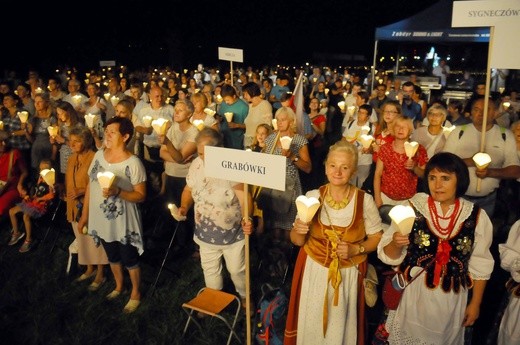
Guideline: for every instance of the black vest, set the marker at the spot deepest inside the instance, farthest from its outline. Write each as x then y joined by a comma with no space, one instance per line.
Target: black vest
423,248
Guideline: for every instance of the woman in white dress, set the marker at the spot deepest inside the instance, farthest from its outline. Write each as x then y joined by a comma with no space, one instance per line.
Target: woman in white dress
449,246
111,214
327,304
509,332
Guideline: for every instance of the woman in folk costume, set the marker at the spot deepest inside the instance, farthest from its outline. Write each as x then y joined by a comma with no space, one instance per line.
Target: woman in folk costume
449,247
327,303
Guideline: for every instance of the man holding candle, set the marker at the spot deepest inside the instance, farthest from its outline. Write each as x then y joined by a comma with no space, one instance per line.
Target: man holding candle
233,130
157,109
75,97
465,141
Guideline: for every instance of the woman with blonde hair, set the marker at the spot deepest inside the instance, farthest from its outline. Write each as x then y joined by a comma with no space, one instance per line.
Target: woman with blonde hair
327,304
200,102
297,158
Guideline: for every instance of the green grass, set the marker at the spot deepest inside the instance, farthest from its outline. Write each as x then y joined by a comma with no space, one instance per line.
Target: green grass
41,304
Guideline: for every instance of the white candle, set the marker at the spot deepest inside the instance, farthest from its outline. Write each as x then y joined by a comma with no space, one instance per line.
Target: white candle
48,176
341,105
306,207
229,116
403,217
275,124
410,148
159,125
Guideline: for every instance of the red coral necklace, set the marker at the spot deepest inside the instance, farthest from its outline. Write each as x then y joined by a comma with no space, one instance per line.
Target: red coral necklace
435,217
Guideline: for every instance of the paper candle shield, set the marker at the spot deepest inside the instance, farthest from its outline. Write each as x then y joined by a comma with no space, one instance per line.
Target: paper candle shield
481,160
351,110
403,217
285,141
366,140
77,100
53,130
341,105
105,179
199,124
229,116
159,125
447,130
147,121
114,100
107,96
23,115
1,125
306,207
174,210
49,176
275,124
89,120
209,112
410,148
218,98
365,129
506,105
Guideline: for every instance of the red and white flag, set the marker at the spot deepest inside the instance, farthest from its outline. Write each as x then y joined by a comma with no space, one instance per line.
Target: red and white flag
297,104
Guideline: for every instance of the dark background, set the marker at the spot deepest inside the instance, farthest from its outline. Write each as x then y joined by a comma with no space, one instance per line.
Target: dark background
182,34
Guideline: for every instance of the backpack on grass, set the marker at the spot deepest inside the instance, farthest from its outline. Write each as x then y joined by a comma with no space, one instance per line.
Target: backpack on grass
271,316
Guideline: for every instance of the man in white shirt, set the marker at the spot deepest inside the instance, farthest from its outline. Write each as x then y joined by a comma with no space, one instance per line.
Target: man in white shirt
500,144
442,71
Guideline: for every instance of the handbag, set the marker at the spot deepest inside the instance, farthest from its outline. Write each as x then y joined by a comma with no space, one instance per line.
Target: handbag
394,286
370,283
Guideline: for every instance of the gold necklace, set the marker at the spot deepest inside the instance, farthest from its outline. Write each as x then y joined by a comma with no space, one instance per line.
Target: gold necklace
337,205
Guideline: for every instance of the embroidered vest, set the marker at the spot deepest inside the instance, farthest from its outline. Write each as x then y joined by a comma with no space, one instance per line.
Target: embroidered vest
423,248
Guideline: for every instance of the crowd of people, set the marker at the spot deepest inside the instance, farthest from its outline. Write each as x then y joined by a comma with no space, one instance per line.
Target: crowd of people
118,142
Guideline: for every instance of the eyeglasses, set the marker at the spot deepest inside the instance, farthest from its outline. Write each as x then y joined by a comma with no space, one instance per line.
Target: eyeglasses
390,112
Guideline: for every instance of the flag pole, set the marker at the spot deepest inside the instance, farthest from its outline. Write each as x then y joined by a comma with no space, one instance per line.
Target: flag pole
486,100
248,269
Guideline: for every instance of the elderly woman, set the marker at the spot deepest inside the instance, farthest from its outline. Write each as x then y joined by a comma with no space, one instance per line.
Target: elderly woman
327,296
396,175
297,158
432,136
111,213
76,180
219,222
200,102
449,247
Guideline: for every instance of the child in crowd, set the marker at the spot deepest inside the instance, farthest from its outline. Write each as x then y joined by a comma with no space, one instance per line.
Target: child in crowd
262,131
33,206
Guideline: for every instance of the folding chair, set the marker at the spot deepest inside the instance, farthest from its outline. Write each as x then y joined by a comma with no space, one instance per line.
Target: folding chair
212,302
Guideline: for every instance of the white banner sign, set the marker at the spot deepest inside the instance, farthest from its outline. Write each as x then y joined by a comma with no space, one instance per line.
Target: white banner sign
230,54
504,15
254,168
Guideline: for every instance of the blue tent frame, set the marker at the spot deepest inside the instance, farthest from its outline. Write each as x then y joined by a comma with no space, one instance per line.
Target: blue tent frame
433,24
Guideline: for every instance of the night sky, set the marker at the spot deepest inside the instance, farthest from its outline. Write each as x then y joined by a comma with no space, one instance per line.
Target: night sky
181,34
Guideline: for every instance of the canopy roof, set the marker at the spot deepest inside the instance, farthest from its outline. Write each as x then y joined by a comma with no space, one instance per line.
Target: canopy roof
431,25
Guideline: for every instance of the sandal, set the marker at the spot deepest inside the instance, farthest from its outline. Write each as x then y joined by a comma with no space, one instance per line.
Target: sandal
131,306
15,237
94,286
85,276
113,295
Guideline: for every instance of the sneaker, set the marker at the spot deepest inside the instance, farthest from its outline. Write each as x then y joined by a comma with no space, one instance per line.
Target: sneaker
15,237
26,246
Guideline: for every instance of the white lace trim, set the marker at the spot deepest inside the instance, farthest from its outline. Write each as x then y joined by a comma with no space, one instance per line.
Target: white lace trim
420,202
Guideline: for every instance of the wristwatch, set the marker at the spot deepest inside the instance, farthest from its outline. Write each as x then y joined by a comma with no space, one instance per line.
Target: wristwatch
361,248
